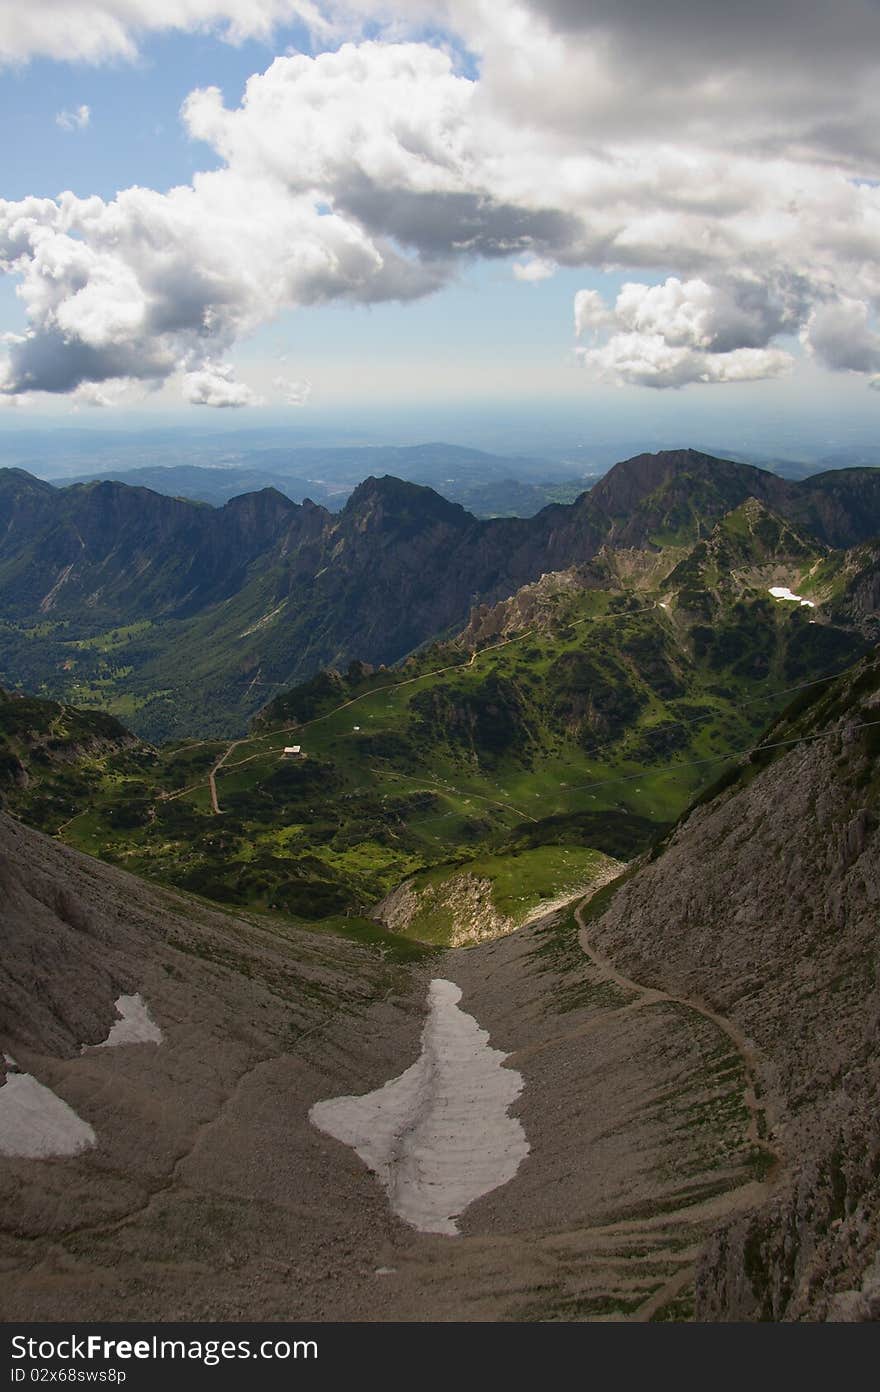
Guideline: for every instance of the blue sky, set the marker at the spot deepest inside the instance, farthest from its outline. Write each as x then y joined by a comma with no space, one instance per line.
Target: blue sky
483,337
135,136
480,338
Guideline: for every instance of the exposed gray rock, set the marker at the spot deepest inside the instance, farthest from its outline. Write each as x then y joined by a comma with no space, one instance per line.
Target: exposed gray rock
766,904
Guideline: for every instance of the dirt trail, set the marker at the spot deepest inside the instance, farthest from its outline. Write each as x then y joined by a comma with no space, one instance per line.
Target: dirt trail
737,1199
653,995
212,776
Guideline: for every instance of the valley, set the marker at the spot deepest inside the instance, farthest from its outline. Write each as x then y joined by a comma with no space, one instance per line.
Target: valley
239,1207
439,685
675,1106
488,774
604,852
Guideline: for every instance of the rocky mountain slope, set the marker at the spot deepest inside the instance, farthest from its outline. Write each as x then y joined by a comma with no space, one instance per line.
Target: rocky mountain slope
105,588
198,1188
115,554
697,1053
202,1193
765,903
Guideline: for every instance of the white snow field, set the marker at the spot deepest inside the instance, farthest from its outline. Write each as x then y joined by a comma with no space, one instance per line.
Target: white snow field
439,1136
135,1025
783,592
35,1124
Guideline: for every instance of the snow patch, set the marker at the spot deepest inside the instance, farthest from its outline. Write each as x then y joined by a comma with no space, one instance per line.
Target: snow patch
438,1137
134,1026
35,1124
783,592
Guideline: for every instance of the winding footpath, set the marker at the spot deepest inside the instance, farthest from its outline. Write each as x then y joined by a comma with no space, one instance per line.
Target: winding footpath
747,1196
212,776
653,995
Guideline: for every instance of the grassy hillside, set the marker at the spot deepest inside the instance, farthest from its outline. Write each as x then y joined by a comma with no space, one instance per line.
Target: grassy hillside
587,734
54,759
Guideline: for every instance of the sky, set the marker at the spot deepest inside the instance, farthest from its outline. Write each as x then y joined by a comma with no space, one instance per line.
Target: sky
254,210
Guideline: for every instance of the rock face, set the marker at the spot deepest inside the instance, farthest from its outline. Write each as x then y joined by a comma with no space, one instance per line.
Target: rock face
534,606
106,550
466,899
765,903
859,600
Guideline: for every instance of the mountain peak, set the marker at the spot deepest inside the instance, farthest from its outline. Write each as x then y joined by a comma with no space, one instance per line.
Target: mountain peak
397,499
632,479
675,497
22,478
265,498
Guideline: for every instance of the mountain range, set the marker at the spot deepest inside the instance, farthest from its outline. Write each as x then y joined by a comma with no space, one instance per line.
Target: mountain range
185,618
488,485
573,718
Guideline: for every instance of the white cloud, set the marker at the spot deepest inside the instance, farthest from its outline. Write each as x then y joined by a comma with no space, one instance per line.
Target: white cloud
649,360
95,395
151,283
214,384
95,31
533,269
371,172
74,120
295,393
839,335
590,312
680,332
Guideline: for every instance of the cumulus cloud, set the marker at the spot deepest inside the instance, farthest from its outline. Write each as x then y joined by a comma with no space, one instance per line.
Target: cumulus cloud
591,312
839,335
152,283
679,332
214,384
743,161
649,360
74,120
